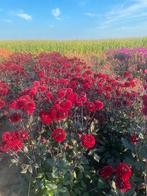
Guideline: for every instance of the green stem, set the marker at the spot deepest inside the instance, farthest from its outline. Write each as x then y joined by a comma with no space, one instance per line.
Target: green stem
29,186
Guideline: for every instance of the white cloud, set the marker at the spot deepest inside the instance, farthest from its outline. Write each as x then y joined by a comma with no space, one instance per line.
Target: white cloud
24,15
135,11
56,13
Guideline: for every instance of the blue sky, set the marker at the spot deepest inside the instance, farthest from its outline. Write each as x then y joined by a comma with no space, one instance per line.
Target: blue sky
72,19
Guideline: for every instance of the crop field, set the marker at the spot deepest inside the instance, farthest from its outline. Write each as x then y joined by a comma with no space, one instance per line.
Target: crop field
81,47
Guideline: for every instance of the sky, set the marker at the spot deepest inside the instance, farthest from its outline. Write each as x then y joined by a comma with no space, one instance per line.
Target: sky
72,19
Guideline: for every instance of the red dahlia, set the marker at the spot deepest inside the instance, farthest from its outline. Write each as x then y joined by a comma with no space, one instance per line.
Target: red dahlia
90,106
144,98
11,141
24,103
134,138
144,110
2,103
3,88
88,141
45,118
23,135
122,184
15,117
99,105
123,170
58,135
106,171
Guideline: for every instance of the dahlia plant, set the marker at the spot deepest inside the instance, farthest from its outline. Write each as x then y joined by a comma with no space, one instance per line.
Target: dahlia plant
73,130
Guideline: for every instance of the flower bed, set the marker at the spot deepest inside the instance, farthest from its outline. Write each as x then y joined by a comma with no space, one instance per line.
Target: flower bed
74,130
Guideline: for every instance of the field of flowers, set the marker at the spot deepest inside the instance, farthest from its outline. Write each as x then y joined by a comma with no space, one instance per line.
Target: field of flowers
76,128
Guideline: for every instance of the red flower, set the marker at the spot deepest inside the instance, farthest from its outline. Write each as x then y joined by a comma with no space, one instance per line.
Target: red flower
66,105
4,147
81,100
6,136
49,95
3,89
58,113
72,97
106,172
58,135
45,117
30,91
15,117
2,103
11,141
134,138
16,145
144,110
62,93
145,71
24,103
127,74
123,170
23,135
43,88
88,141
144,98
36,84
90,106
99,105
122,184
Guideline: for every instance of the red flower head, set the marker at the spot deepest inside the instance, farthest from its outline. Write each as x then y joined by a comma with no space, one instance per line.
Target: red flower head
90,106
15,117
134,138
58,135
23,135
58,113
99,105
49,95
127,74
144,98
81,99
123,170
6,136
88,141
122,184
62,93
45,118
3,89
36,84
106,172
66,105
2,103
144,110
24,103
145,71
11,141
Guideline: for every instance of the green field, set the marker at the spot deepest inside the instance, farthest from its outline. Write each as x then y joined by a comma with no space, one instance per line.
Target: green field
75,46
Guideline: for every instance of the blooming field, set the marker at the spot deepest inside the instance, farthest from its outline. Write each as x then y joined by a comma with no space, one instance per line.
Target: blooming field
76,130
